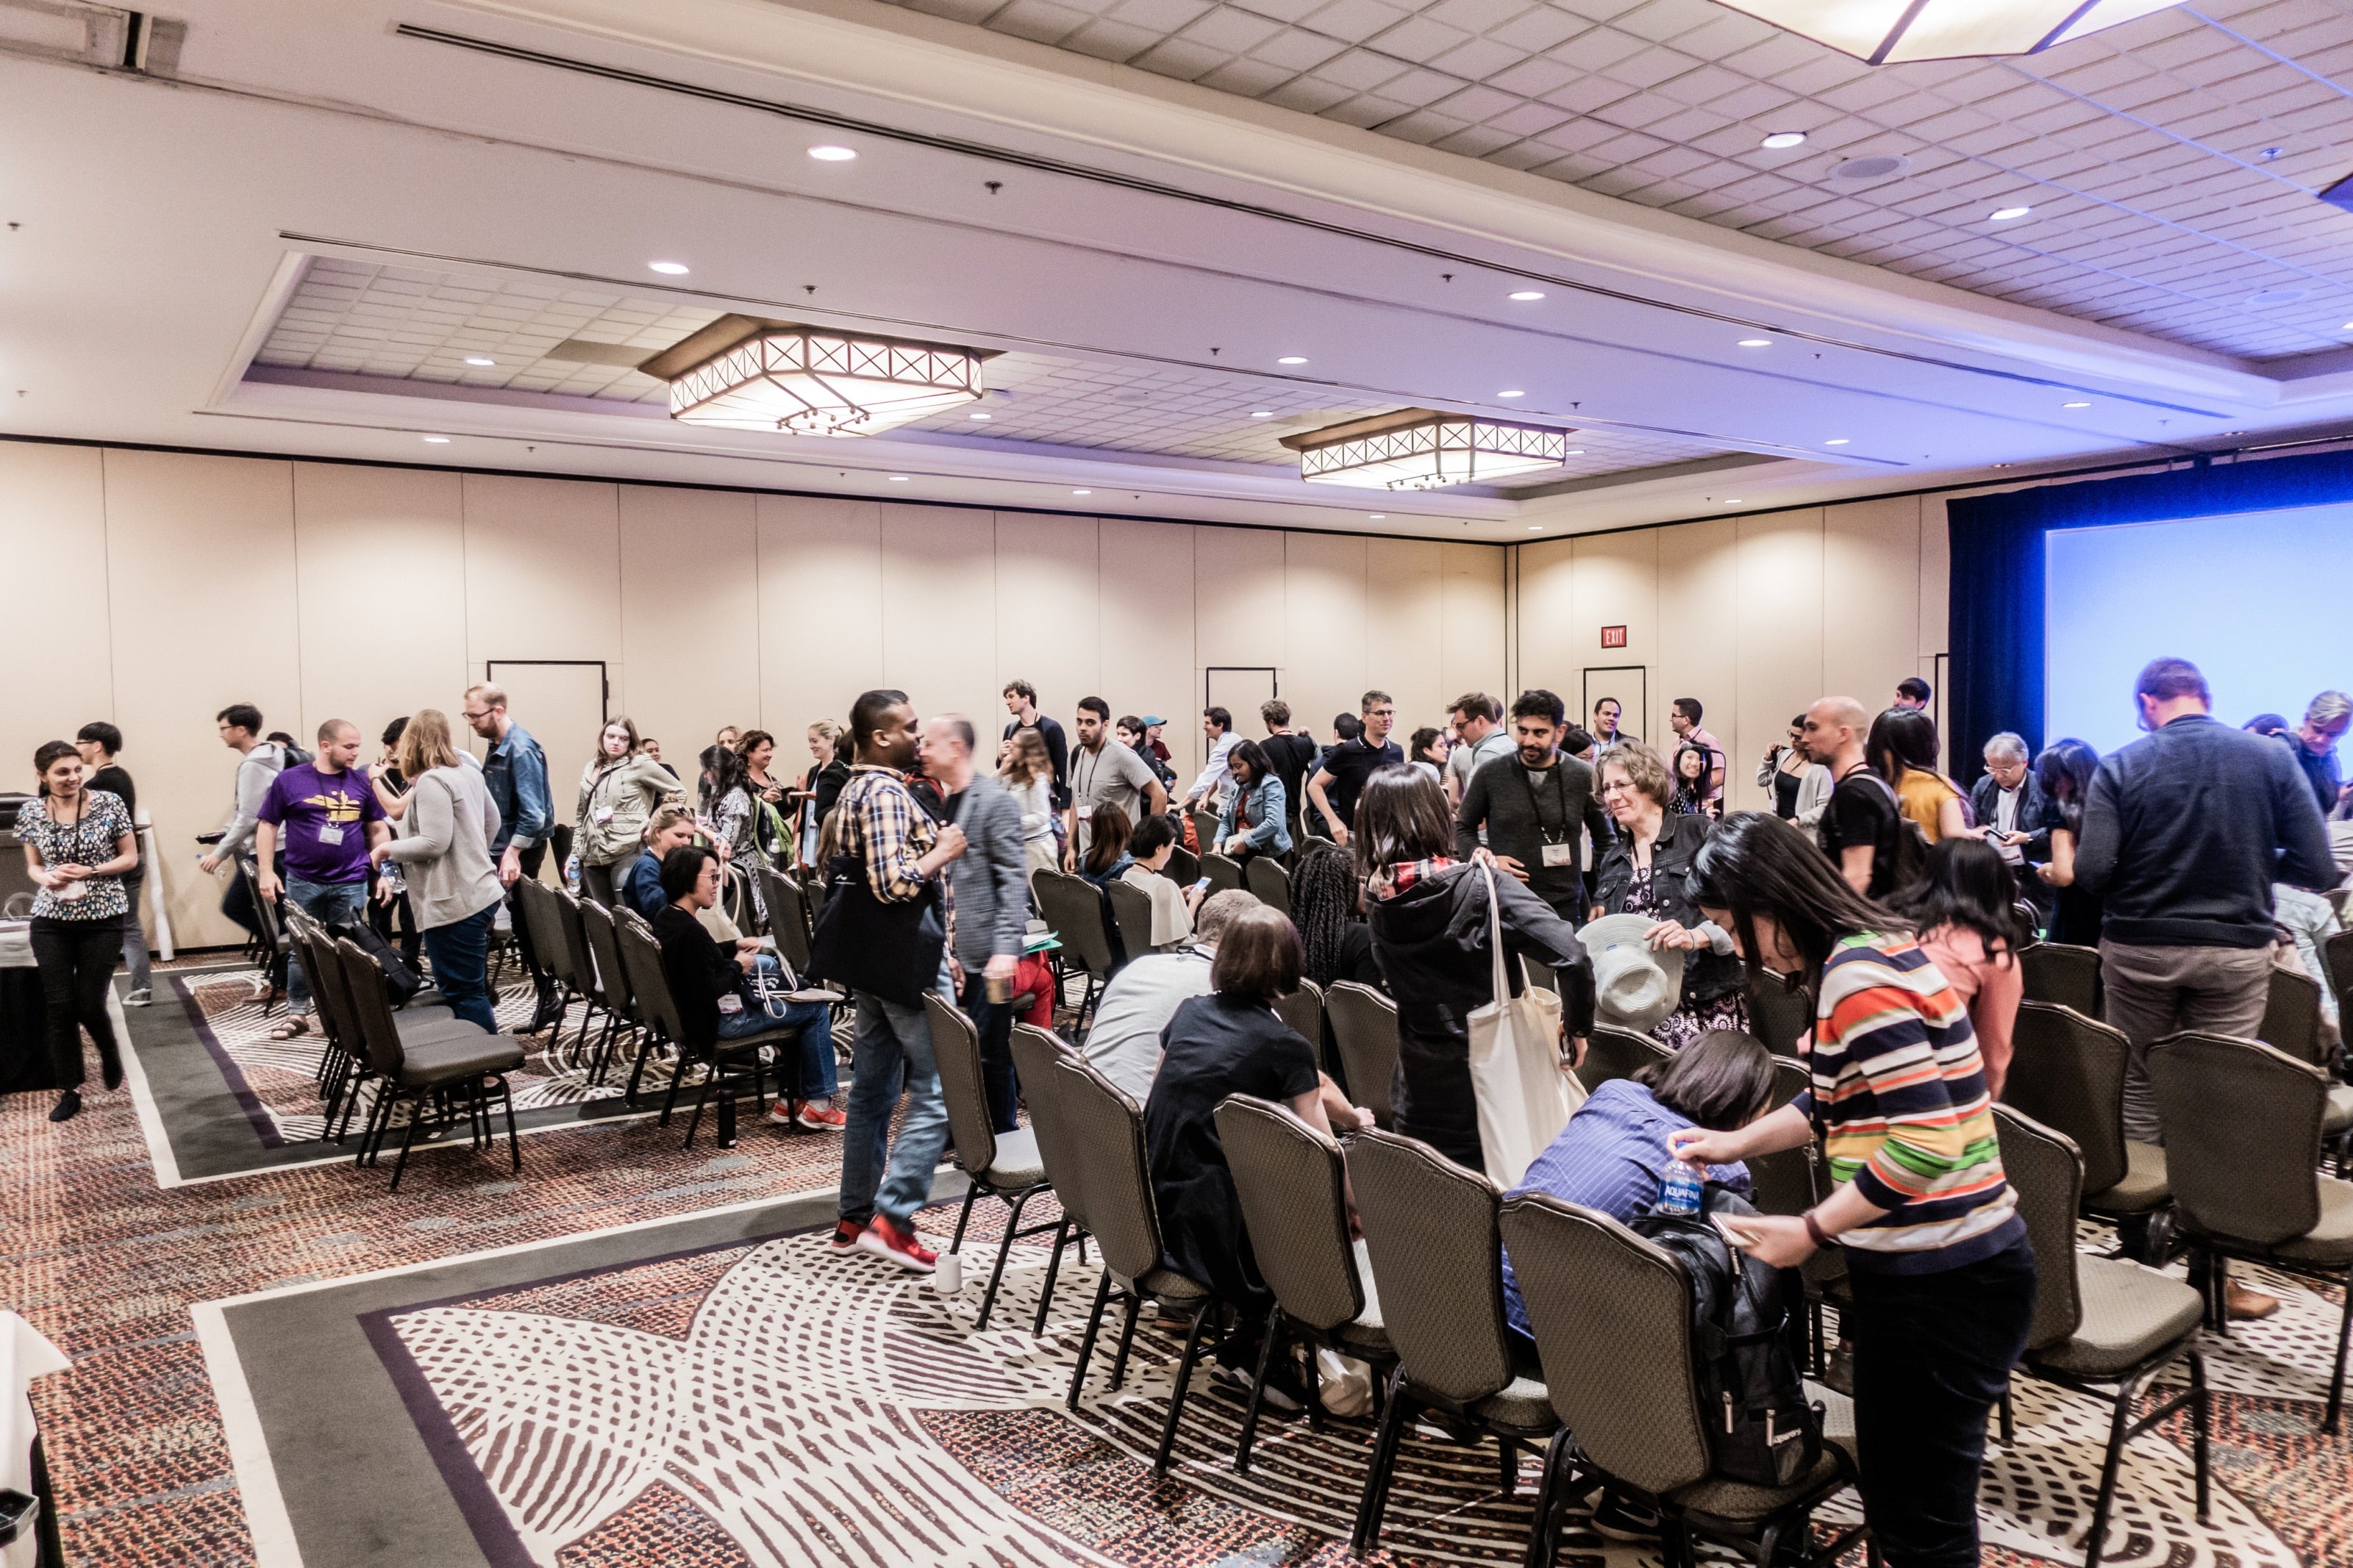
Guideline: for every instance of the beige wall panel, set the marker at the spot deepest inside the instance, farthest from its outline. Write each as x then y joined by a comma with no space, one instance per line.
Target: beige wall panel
1549,652
1327,627
1048,626
820,573
193,544
1150,657
377,549
1936,568
1405,655
1617,584
939,607
1779,668
689,652
1871,571
1472,656
543,570
61,657
1699,618
1238,617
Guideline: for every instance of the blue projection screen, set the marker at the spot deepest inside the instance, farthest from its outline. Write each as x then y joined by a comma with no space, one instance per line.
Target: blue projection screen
2255,600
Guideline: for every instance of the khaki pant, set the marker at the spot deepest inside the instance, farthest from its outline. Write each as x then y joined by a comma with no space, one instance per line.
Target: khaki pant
2153,992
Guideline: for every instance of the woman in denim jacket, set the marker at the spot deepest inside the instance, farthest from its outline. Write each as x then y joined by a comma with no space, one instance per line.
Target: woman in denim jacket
1252,813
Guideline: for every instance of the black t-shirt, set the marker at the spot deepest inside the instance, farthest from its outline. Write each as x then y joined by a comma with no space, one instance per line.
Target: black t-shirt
115,782
1289,757
1350,764
1862,811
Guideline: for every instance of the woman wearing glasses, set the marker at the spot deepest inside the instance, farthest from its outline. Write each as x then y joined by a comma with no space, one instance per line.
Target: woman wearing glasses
1646,869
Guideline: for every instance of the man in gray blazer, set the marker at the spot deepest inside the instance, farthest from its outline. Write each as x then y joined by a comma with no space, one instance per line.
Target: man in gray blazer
991,890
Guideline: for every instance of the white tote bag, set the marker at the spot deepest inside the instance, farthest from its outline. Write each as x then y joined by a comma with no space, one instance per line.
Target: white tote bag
1524,1099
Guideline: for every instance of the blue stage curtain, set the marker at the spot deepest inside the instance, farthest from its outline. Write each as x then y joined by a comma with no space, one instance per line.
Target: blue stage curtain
1996,594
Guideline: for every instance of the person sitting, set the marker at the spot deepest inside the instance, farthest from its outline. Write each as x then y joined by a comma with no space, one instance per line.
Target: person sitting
1124,1043
708,985
1328,906
1902,749
670,827
1965,907
1254,816
1107,834
1149,851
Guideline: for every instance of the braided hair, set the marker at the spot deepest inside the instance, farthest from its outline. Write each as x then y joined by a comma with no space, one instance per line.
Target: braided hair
1323,896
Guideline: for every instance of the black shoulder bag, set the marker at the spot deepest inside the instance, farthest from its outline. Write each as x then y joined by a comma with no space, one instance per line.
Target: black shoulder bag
891,950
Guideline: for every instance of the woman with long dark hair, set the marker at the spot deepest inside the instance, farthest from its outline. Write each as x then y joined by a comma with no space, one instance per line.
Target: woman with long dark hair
78,846
1902,749
1324,901
2064,771
1254,816
1430,918
1689,773
1965,907
1942,1273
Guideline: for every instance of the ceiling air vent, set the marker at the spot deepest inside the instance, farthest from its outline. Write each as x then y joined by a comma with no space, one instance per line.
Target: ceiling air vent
1877,167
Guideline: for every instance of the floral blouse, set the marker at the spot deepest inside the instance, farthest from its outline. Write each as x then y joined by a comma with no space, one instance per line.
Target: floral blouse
87,839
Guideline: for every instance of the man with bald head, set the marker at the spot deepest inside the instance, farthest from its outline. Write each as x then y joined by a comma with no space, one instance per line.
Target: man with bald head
1859,826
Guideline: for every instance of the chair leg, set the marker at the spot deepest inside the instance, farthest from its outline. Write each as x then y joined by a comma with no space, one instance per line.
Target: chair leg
963,1214
415,1114
2095,1539
1375,1497
1053,1267
1185,1365
677,1080
1544,1527
514,1144
2336,1368
1087,1343
1126,1340
2201,1420
1274,1323
1507,1471
1003,1250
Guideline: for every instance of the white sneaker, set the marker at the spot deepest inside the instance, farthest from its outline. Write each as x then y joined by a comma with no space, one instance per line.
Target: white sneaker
139,998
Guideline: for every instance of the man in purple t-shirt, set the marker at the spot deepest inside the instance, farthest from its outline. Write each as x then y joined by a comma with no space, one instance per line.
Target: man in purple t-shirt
327,815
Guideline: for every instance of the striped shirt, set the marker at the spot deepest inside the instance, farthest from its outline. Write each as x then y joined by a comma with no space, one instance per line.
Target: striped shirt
1901,1094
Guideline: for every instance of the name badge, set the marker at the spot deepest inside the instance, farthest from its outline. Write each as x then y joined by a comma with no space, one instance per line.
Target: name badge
1560,854
731,1004
330,833
603,814
72,892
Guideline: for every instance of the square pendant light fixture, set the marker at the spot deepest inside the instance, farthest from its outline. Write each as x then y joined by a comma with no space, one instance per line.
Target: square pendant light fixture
749,374
1422,449
1885,32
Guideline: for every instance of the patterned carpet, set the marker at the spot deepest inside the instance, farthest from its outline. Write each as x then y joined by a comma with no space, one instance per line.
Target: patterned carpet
765,1404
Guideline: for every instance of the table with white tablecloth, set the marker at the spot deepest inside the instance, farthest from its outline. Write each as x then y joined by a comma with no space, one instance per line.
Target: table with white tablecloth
24,1056
23,1356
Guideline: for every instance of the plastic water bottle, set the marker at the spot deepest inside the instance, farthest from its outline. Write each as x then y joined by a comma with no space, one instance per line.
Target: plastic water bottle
1680,1188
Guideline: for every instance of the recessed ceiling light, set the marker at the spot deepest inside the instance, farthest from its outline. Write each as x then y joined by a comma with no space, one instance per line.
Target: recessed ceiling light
1780,139
1756,342
898,479
1512,394
1836,441
480,359
669,268
980,415
1732,500
1082,492
1574,452
2348,327
436,440
2004,215
1262,413
1292,359
2075,404
1377,516
1529,294
1536,528
828,153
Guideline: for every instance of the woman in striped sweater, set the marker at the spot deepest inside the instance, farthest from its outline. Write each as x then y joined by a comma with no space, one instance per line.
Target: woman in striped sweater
1939,1260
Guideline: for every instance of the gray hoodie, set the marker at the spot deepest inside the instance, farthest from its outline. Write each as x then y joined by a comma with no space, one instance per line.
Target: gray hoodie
254,774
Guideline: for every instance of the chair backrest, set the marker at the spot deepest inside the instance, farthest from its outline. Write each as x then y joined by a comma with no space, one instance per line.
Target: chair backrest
1036,1054
1303,1011
2062,973
264,910
371,1007
955,1046
1268,881
1611,1314
546,929
1106,1131
788,917
2047,1175
1781,1012
1184,866
641,957
1294,1198
1224,872
2068,1072
1131,908
2292,1015
325,966
605,946
1788,1180
1205,828
1365,1037
575,946
1429,1228
1612,1052
1074,909
2241,1135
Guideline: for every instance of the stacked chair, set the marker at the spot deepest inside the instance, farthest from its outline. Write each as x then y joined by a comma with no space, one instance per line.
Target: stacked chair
1073,907
1612,1052
1006,1166
445,1062
2067,1072
614,994
2292,1024
1267,882
1035,1055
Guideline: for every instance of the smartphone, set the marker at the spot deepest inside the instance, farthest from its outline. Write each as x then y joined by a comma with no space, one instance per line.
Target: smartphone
1202,885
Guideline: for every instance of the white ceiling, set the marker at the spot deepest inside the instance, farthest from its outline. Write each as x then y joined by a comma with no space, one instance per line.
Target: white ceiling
291,244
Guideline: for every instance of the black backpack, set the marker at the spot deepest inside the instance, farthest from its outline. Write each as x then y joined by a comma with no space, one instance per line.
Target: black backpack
1760,1428
1908,855
400,981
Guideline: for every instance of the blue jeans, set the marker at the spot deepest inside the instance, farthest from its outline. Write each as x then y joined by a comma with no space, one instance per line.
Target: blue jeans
815,1079
893,1047
329,903
460,955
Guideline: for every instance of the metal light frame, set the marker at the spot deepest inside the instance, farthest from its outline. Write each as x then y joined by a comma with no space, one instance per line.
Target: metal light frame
1888,32
809,381
1429,453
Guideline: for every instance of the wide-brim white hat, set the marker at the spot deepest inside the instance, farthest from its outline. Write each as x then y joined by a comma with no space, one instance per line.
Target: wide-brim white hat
1634,985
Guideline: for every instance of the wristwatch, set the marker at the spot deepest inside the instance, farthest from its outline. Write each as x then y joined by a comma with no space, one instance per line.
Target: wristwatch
1814,1229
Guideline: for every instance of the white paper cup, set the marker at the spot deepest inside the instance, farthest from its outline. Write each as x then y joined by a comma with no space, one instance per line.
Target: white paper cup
948,1277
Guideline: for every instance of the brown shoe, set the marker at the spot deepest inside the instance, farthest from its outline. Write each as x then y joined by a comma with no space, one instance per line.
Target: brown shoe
2244,1305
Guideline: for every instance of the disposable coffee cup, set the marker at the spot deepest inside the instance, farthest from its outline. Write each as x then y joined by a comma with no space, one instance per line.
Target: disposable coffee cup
1000,990
948,1277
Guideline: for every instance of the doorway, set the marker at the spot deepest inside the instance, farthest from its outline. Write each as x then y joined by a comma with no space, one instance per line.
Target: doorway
1630,684
562,702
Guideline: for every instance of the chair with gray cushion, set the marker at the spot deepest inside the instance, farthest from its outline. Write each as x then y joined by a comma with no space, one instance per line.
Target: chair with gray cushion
2067,1072
1205,828
1130,908
446,1069
1036,1054
2102,1326
352,1066
543,928
1611,1313
2292,1024
1294,1196
581,959
730,1066
2061,973
621,1014
1364,1040
1613,1052
1303,1011
1430,1230
1107,1130
788,917
1781,1014
1225,873
1788,1180
2243,1134
1003,1165
1267,882
1072,908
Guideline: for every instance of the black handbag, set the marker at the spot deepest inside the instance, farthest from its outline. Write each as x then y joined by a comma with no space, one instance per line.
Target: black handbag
892,951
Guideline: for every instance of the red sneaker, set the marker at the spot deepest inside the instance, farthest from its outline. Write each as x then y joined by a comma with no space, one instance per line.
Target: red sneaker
781,1113
846,1235
886,1240
821,1117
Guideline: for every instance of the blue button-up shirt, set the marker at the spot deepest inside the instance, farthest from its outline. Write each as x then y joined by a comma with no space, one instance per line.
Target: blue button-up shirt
515,772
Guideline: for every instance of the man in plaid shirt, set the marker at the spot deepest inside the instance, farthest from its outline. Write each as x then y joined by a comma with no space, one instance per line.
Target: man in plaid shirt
905,852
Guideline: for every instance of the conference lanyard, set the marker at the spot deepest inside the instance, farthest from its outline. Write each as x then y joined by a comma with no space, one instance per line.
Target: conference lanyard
1560,789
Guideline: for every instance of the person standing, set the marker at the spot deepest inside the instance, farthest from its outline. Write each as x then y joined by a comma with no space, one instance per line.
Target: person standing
1911,694
1479,739
1859,826
903,856
826,782
1646,869
2064,772
98,744
446,850
1021,701
2185,831
2007,804
515,775
1801,785
1104,772
1606,731
1290,756
620,788
990,881
1027,774
1341,777
1216,778
1683,719
1902,748
1534,807
2325,720
258,762
78,846
331,818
